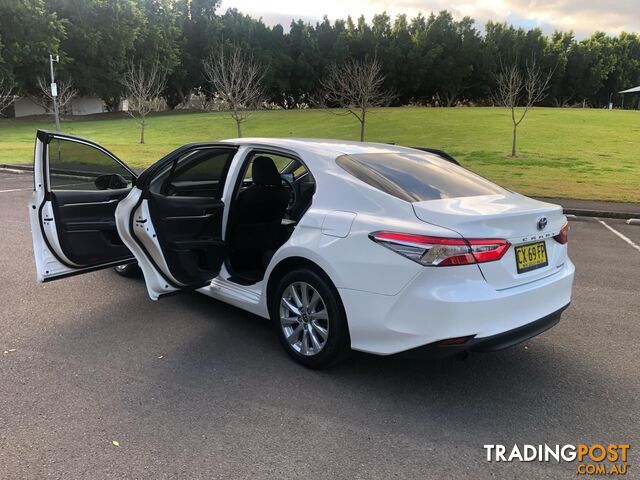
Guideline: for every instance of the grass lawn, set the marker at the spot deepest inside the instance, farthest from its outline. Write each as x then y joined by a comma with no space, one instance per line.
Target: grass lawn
572,153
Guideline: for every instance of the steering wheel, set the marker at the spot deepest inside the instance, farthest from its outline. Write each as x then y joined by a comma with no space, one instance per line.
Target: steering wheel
292,192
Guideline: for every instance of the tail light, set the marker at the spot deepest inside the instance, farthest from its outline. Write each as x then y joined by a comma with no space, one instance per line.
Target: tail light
563,236
455,341
442,251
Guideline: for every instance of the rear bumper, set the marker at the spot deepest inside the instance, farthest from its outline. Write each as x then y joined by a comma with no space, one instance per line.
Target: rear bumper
444,303
493,343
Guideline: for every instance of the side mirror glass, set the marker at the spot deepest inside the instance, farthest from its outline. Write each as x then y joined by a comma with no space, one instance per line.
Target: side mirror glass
111,181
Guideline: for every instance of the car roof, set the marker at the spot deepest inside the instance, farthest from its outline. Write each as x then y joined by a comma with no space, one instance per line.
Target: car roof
320,146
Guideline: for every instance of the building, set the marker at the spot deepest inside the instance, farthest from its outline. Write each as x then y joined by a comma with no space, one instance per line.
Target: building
24,107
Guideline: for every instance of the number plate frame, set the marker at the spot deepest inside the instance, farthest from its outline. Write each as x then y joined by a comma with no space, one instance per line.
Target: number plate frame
534,256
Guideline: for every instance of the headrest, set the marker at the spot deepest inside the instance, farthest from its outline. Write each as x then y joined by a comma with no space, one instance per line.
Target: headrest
265,172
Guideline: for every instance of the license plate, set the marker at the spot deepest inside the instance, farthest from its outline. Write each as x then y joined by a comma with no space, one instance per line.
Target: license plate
531,256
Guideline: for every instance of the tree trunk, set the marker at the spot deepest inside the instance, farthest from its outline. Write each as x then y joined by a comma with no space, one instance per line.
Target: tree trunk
239,128
142,132
450,98
362,123
513,144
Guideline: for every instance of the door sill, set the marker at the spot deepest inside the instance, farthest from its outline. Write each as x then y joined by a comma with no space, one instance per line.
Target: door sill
245,282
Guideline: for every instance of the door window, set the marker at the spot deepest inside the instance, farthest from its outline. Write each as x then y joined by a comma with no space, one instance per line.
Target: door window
198,173
79,166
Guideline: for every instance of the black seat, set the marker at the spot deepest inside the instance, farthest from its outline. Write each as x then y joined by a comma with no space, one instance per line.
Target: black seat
258,213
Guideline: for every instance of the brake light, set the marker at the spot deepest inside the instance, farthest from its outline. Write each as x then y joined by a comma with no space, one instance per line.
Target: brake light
563,236
442,251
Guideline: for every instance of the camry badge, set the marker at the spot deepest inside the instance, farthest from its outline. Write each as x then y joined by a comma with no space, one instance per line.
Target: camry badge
542,223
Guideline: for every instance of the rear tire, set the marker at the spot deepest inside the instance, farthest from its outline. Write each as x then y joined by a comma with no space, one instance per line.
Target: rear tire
310,320
130,270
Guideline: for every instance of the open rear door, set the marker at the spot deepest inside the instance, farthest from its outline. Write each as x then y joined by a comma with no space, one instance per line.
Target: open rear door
173,219
77,186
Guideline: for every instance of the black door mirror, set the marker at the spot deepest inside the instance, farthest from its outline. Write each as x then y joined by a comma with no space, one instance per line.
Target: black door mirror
111,181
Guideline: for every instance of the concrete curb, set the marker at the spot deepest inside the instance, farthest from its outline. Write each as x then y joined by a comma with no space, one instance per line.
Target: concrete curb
16,168
634,218
578,212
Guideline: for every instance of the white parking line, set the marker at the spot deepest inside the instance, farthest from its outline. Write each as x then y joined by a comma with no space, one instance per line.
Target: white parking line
623,237
15,190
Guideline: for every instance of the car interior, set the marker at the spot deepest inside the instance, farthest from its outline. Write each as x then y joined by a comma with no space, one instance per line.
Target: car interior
185,201
272,194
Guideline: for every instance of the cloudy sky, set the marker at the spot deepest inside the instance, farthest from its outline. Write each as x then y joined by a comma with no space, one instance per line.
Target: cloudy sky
581,16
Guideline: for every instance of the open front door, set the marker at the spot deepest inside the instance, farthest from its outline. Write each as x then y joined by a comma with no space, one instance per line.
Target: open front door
77,187
173,219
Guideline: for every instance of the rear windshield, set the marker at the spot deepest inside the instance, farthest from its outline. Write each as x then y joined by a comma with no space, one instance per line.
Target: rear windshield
416,177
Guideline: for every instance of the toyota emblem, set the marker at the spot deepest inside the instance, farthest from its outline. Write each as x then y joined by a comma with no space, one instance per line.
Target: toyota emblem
542,223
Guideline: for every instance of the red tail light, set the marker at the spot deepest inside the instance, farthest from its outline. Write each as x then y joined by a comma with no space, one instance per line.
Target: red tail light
563,236
455,341
441,251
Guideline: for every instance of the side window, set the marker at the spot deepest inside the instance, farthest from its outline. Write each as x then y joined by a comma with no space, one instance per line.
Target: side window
279,161
78,166
198,173
297,169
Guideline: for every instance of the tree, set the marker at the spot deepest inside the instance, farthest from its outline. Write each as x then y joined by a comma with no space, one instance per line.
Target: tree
356,86
159,40
66,93
28,34
100,39
197,26
237,79
7,97
144,86
516,88
428,59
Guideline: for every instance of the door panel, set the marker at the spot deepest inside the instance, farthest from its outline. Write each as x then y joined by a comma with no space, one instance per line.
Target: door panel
189,231
86,226
77,187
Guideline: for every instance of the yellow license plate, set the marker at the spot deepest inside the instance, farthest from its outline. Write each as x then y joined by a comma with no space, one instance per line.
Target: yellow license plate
531,256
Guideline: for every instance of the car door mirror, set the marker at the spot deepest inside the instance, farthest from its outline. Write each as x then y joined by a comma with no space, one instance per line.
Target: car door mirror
111,181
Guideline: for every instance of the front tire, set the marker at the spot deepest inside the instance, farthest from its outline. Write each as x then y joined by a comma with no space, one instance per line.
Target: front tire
309,317
130,270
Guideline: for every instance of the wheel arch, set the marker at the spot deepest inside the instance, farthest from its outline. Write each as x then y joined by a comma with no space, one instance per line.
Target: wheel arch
287,264
290,263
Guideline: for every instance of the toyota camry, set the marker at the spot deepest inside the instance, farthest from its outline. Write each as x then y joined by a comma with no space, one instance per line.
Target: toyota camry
341,245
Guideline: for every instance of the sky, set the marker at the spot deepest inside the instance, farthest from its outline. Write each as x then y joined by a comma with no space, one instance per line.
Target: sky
581,16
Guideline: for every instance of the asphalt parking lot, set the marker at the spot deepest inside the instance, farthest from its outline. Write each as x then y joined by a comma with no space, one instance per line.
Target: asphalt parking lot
192,388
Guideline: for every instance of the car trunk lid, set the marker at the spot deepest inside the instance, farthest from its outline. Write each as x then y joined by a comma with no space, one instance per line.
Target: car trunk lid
508,216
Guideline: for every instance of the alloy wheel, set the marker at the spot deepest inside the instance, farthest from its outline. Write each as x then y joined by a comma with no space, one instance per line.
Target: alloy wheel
304,319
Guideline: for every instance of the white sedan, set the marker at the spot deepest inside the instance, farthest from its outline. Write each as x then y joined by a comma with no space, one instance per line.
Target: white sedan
342,245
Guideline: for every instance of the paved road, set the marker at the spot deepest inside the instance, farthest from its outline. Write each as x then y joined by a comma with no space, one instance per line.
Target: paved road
192,388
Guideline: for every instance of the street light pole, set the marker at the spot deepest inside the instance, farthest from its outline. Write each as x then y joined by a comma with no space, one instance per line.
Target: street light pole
54,91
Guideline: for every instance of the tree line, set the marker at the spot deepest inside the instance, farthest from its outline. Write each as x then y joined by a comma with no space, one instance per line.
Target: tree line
425,60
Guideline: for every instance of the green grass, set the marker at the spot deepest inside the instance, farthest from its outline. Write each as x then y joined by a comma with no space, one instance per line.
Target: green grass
571,153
